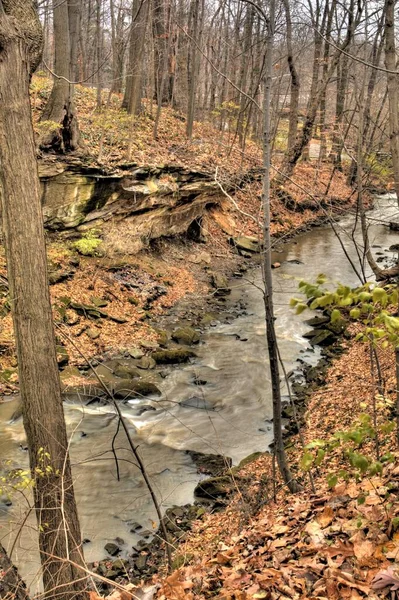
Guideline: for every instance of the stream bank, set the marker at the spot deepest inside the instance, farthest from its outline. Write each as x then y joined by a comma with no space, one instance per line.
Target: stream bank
230,364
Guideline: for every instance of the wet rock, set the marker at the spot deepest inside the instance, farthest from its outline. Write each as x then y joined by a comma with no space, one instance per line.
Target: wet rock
317,321
246,243
199,382
146,533
141,562
146,363
143,409
127,372
119,566
87,393
323,337
210,464
62,356
112,548
220,283
135,352
132,388
69,372
214,487
165,357
186,336
134,526
149,345
163,338
197,402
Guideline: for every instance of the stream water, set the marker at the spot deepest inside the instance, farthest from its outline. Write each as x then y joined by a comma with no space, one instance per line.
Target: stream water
230,413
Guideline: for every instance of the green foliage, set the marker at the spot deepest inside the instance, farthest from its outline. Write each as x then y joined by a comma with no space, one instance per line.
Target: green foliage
368,304
89,244
351,443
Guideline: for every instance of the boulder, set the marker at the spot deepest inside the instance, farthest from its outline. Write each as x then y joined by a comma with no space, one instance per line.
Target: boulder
70,372
167,357
220,283
214,487
135,352
186,336
322,337
127,371
146,362
112,548
246,243
133,388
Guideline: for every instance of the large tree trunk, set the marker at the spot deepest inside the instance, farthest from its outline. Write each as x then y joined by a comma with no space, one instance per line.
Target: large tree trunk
393,88
11,585
134,77
58,525
60,108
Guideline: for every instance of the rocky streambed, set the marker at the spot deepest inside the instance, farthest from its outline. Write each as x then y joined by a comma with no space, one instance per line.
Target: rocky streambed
216,401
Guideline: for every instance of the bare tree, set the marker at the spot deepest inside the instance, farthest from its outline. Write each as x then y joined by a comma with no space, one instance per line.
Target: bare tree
393,88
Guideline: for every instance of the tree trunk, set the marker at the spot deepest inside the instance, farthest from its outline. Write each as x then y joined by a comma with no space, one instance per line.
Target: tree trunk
295,85
393,89
292,160
11,585
134,77
267,270
60,108
192,64
58,524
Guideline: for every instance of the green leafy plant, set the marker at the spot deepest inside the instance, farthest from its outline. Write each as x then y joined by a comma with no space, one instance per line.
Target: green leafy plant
89,244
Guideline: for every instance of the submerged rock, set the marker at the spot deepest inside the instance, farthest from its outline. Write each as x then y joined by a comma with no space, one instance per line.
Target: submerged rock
165,357
197,402
112,548
132,388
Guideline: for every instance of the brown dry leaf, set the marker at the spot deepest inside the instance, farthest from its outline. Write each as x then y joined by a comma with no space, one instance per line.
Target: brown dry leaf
325,518
280,529
343,548
346,579
352,490
315,533
364,551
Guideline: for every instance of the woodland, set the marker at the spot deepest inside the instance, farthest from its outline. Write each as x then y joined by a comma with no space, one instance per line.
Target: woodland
199,327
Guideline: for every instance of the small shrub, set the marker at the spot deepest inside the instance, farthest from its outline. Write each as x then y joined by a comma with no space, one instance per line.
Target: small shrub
89,244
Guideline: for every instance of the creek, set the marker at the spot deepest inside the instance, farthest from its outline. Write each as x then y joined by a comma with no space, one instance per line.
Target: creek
229,414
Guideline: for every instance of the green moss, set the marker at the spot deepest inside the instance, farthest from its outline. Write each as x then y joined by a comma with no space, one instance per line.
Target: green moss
88,245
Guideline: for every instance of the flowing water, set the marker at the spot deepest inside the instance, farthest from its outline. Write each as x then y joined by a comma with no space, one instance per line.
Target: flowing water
230,414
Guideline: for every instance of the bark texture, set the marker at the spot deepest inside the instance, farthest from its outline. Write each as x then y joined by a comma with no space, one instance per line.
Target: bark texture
58,525
11,585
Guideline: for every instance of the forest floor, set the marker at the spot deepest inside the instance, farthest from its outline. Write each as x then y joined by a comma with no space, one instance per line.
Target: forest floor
329,540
